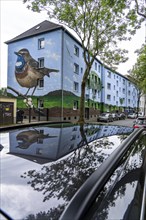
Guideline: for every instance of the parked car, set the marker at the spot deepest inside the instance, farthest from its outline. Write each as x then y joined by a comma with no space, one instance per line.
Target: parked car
115,116
105,117
132,115
139,122
43,166
140,114
121,116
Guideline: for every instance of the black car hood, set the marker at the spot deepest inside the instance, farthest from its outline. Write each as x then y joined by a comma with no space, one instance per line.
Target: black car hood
42,167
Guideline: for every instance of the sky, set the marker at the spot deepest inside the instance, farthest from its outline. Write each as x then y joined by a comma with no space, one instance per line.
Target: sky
16,19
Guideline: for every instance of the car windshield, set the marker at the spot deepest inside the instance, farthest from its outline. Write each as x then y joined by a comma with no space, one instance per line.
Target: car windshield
43,166
104,114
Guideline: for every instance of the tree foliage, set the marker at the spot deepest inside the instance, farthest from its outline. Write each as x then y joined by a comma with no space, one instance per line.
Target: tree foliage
138,72
99,24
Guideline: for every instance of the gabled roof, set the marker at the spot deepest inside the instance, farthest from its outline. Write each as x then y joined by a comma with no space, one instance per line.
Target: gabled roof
45,26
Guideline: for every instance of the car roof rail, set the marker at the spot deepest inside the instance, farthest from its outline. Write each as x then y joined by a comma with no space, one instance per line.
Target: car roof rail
4,214
88,192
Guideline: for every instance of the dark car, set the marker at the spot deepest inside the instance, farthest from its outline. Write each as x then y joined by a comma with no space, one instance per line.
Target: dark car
115,116
105,117
122,116
139,122
65,171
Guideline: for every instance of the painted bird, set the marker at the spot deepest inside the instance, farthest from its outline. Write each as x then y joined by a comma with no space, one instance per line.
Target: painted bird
27,70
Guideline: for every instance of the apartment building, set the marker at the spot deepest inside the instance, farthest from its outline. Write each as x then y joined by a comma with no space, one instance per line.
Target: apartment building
52,75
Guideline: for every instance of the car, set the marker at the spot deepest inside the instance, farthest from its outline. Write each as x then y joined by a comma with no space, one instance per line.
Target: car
140,114
132,115
44,165
115,116
139,122
117,190
105,117
121,116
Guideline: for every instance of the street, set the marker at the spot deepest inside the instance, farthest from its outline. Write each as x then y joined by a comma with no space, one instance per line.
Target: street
126,122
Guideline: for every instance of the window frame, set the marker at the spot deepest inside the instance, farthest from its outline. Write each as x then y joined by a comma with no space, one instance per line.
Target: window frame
41,59
76,68
76,50
41,43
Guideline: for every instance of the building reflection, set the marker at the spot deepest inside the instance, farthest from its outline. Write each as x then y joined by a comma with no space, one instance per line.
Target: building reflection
44,144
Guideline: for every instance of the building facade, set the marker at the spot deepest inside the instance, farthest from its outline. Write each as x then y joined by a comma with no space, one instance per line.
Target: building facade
45,71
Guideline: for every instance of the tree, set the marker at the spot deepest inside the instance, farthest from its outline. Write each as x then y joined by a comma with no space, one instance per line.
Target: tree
138,73
140,7
99,24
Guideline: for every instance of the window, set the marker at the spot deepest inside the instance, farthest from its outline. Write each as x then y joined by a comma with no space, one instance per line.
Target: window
76,68
109,74
86,97
95,66
108,86
40,103
75,105
95,79
117,94
98,94
108,97
117,83
41,43
99,67
41,83
129,92
76,50
81,70
123,81
73,137
123,91
41,62
76,87
94,91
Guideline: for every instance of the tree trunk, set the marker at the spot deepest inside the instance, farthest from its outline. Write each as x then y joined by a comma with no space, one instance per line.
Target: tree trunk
138,102
82,98
144,105
82,103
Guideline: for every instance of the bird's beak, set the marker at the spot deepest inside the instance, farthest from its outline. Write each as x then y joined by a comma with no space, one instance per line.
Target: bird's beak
16,53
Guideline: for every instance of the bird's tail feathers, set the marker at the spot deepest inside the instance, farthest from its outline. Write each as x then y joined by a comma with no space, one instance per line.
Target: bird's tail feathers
48,71
53,70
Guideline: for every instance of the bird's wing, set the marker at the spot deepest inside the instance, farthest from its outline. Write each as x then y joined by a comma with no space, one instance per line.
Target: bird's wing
33,63
47,71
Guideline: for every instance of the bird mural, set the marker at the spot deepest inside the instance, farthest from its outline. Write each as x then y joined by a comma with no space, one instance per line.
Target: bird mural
26,138
28,72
